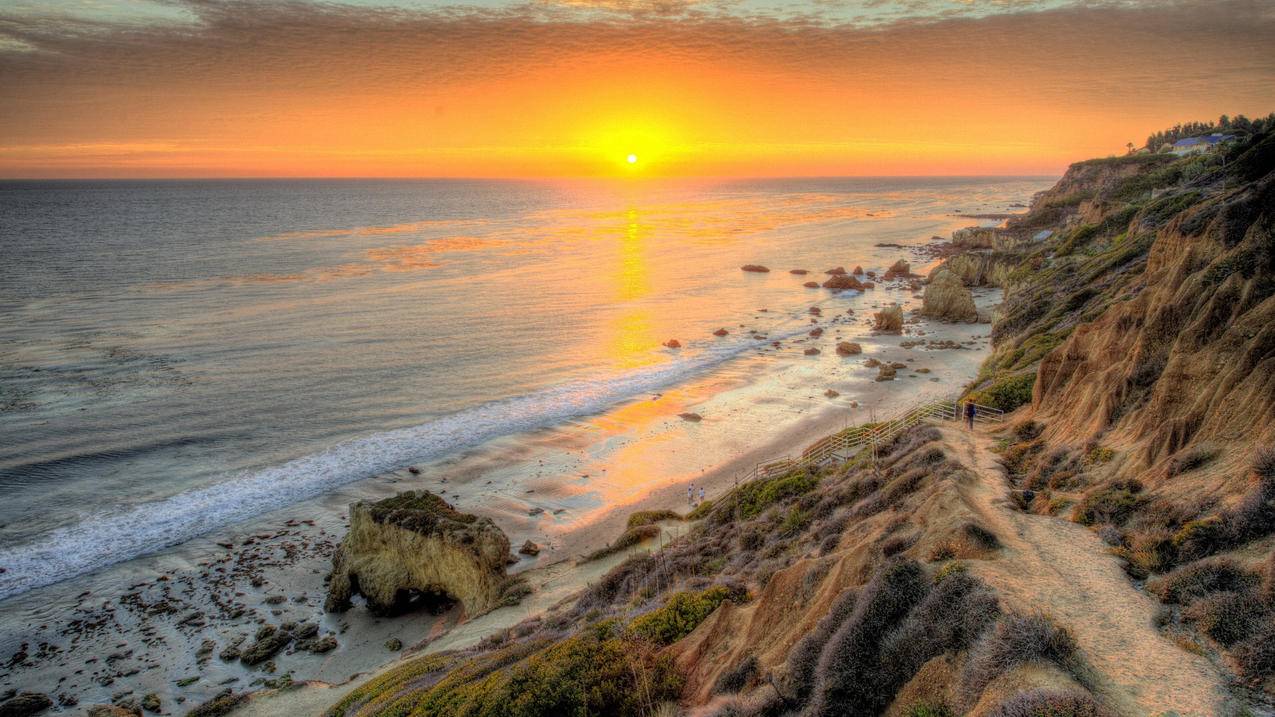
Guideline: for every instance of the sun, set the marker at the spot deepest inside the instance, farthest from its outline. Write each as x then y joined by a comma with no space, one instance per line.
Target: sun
631,159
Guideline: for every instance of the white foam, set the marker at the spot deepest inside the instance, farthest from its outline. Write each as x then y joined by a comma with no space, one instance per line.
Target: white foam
114,536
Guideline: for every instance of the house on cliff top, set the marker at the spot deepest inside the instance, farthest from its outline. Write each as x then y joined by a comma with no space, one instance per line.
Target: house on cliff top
1196,145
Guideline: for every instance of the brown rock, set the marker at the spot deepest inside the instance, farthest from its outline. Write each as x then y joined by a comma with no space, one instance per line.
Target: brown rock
848,348
755,268
529,548
816,332
720,332
811,285
798,272
692,417
673,344
831,393
837,271
886,373
812,351
415,542
842,282
858,271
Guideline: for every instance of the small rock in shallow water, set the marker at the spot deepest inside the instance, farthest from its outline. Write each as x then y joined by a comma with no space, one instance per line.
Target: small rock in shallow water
529,548
393,644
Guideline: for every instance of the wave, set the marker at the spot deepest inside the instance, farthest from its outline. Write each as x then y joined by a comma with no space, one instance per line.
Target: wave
108,537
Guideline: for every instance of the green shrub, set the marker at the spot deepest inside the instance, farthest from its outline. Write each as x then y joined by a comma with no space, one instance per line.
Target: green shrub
1006,392
682,613
1111,504
794,522
755,497
627,539
1194,581
598,671
650,517
1201,538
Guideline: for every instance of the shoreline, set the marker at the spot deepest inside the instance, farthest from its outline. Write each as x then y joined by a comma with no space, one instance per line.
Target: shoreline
271,569
313,698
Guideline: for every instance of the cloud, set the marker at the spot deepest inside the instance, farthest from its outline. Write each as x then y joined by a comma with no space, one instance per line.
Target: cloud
289,73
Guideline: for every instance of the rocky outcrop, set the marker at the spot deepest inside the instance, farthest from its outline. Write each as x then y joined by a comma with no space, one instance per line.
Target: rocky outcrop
947,299
842,282
898,270
413,546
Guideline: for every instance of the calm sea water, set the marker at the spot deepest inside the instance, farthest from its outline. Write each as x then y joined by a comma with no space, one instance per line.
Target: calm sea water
179,356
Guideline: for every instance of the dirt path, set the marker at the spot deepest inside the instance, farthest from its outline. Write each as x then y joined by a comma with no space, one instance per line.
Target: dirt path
1064,569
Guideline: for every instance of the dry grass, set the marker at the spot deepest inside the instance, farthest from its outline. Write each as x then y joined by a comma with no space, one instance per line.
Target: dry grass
1050,703
1016,640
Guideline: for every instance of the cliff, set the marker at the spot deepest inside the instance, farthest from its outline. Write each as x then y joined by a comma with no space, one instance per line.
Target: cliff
414,548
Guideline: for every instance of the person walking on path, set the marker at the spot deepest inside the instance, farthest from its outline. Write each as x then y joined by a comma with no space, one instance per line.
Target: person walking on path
970,412
701,494
690,494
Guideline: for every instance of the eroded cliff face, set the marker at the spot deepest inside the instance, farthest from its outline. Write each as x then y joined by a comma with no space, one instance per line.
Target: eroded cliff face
1184,355
415,546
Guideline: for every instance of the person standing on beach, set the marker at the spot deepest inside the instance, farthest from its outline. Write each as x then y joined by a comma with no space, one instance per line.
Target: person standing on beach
970,412
701,494
690,494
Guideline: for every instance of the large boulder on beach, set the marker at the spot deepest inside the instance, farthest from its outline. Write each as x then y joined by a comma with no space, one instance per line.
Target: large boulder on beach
947,299
898,270
414,547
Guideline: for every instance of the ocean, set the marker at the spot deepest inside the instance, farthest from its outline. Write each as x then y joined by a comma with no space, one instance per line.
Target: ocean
180,356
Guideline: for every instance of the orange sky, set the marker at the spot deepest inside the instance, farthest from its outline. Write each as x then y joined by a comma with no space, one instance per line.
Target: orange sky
299,89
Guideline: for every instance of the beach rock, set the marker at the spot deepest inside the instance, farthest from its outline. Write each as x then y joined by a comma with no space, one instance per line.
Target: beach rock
886,373
897,365
673,344
798,272
270,641
831,393
848,348
393,644
720,332
812,351
898,270
843,282
869,285
151,703
415,544
811,285
858,271
25,703
816,332
535,511
318,645
872,363
692,417
815,311
947,299
871,275
836,271
755,268
529,548
414,470
889,320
